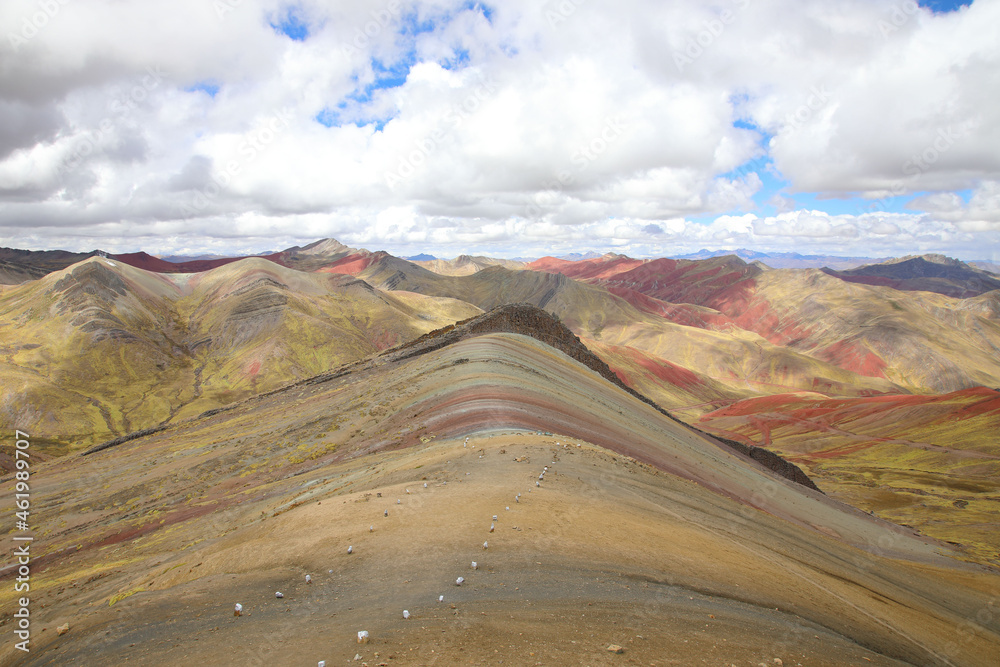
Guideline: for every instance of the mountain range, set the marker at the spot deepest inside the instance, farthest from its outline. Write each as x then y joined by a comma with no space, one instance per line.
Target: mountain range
800,462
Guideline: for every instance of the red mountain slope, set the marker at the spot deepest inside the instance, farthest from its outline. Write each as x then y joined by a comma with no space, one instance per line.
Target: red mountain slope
587,269
354,264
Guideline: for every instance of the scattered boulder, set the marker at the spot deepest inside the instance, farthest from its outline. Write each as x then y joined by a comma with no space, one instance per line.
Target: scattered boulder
62,629
615,648
362,636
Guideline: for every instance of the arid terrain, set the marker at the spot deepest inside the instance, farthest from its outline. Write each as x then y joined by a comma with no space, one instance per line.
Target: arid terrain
207,439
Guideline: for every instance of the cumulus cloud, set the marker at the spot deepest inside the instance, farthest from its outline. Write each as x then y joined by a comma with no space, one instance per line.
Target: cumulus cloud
503,128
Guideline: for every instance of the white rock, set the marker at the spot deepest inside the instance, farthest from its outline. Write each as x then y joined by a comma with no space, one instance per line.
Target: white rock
398,501
406,614
308,579
362,636
475,565
407,490
385,513
494,517
486,545
425,485
278,595
460,581
238,611
536,484
507,508
322,663
371,529
493,527
350,549
440,598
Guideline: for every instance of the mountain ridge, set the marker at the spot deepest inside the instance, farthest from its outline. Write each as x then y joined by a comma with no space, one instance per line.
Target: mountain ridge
523,319
930,273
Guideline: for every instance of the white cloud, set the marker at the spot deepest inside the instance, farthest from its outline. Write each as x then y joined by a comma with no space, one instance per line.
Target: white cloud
537,124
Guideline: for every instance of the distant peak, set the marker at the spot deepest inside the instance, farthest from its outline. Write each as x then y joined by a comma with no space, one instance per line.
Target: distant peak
577,256
324,247
932,258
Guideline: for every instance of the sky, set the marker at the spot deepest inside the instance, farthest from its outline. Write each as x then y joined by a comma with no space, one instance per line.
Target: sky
515,129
